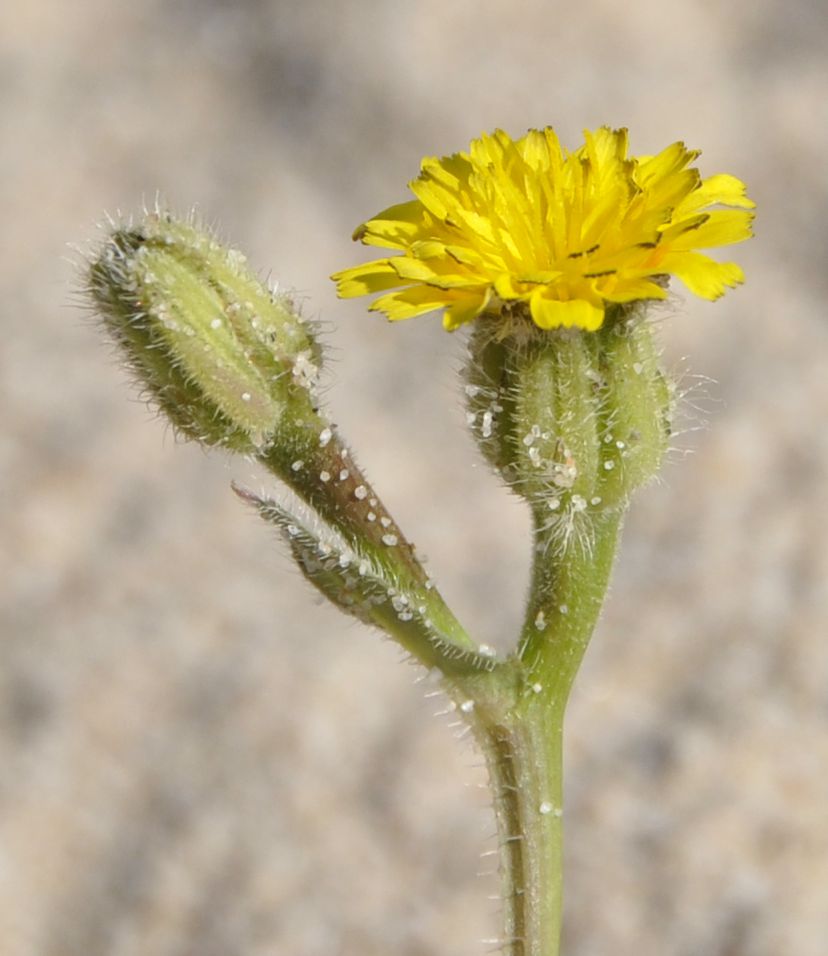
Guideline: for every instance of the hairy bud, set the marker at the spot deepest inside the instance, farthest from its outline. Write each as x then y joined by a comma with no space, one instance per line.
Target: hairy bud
223,357
574,421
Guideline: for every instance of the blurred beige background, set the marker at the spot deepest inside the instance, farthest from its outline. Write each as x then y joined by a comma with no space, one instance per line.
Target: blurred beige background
196,759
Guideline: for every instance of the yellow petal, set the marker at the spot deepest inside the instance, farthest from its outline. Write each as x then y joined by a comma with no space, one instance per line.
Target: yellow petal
465,256
410,211
652,169
437,249
437,198
722,227
672,231
702,275
451,171
464,309
671,192
488,148
394,227
550,313
508,287
722,189
472,223
427,249
415,300
631,290
366,279
605,148
534,147
437,273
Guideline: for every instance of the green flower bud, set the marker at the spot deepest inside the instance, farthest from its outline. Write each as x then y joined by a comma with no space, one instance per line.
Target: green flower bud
223,357
573,420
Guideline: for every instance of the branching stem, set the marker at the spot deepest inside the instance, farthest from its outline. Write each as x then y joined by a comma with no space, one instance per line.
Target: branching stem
518,717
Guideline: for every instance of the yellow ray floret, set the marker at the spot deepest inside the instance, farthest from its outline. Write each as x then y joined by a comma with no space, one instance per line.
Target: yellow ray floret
525,222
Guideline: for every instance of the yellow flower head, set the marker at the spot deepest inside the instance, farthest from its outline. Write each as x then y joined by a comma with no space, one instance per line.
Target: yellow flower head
526,225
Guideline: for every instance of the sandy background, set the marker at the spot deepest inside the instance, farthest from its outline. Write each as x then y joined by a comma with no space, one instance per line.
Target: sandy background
198,760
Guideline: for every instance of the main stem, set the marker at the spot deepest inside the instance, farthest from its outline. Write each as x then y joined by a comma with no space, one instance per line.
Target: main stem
524,758
518,721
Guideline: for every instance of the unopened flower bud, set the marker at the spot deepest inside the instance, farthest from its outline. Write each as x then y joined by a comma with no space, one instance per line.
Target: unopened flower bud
225,358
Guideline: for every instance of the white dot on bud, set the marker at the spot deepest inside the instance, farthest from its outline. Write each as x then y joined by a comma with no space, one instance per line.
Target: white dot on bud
467,706
609,465
578,503
215,324
371,516
324,476
298,465
325,436
385,522
564,609
596,500
540,621
537,688
246,396
486,651
389,539
360,492
343,474
638,368
553,504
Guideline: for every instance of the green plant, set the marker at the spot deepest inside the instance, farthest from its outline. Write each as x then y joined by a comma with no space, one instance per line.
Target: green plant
555,258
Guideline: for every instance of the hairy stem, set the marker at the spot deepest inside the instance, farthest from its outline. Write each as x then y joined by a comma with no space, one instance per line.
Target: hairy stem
524,761
518,721
326,476
568,589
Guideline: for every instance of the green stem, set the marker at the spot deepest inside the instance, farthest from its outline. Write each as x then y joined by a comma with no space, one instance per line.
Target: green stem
518,719
326,476
567,593
525,770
